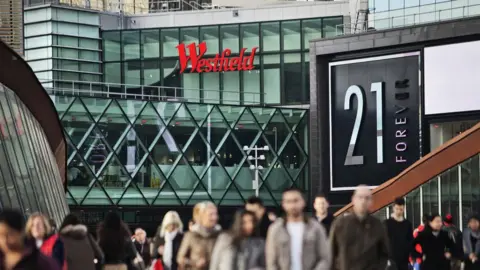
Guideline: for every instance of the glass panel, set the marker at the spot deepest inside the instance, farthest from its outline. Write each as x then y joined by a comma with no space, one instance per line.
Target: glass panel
312,29
112,73
306,76
191,87
211,87
430,197
189,35
151,72
171,77
251,84
449,192
169,42
209,34
291,35
231,87
229,37
440,133
270,36
396,4
271,83
150,43
332,26
292,74
111,46
131,44
131,71
426,2
381,6
412,3
250,35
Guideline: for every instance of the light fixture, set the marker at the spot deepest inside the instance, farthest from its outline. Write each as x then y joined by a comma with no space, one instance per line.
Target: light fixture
245,148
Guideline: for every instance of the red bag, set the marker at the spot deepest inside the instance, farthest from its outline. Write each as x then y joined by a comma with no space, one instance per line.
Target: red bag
157,264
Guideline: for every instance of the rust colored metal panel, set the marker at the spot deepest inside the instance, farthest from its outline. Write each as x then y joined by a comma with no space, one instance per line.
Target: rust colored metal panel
17,75
452,153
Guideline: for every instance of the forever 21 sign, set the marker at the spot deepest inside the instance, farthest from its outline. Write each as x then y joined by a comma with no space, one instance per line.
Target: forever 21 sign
374,119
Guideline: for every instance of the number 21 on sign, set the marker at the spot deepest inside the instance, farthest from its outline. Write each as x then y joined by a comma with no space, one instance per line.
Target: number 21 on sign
355,90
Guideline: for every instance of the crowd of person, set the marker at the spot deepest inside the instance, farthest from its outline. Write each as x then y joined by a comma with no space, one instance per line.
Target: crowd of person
256,240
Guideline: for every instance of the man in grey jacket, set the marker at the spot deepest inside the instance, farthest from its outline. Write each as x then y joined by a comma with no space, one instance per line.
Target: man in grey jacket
296,242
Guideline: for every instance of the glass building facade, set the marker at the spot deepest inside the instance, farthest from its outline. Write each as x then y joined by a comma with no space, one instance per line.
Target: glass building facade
153,153
398,13
29,176
149,57
63,44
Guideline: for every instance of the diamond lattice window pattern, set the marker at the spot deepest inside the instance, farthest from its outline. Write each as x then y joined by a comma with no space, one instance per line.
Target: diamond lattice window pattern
131,152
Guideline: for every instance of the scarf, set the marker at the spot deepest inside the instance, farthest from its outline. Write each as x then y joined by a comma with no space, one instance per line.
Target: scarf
168,249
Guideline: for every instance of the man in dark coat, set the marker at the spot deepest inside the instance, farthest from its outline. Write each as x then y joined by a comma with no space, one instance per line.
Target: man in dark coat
359,241
400,234
13,244
255,205
321,212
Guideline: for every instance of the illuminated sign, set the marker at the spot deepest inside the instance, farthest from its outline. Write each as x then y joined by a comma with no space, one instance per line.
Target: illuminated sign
196,61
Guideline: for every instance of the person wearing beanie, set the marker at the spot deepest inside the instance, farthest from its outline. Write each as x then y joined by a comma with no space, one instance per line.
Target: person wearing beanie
471,243
15,252
456,236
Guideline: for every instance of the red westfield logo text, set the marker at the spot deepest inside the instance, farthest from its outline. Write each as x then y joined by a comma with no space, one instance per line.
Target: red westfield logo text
221,62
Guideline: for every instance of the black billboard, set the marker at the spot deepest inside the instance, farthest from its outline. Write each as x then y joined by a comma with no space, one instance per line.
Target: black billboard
374,119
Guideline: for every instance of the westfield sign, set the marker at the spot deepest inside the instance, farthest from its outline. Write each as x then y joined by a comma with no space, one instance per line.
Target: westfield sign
196,61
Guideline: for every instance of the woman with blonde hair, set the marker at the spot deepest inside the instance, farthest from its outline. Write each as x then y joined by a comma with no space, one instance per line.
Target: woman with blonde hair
167,241
39,229
197,245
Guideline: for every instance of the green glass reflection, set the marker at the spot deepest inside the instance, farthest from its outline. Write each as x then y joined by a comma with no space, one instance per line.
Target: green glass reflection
170,40
311,29
131,152
209,34
111,46
229,37
270,36
150,42
131,44
250,34
332,26
291,35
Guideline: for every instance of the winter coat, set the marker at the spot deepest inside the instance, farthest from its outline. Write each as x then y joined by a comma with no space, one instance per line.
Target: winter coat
80,248
327,222
250,254
457,239
359,244
263,225
316,253
126,257
53,246
160,241
144,251
197,244
469,249
33,259
433,249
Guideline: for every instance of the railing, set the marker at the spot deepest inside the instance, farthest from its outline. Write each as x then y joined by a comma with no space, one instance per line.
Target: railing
444,14
143,92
